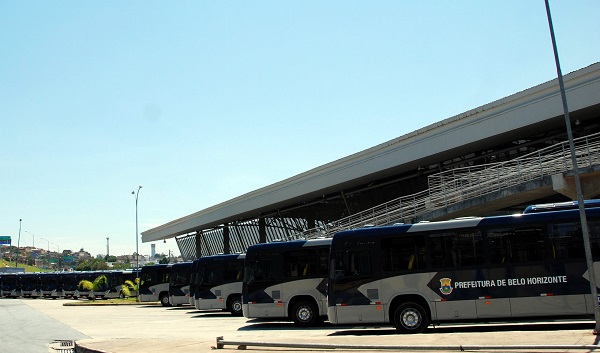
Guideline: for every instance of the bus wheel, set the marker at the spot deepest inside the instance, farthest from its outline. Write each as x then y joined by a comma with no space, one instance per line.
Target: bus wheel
164,300
305,314
235,305
411,318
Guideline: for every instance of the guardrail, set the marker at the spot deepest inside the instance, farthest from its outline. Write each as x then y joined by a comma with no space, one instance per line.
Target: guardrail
461,184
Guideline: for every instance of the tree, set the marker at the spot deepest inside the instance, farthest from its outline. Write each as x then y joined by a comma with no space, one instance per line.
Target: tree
92,265
164,260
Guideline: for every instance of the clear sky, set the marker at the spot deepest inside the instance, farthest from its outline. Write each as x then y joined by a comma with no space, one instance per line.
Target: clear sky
202,101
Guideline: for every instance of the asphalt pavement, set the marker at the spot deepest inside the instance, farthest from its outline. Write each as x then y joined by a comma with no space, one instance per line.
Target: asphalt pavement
152,328
24,329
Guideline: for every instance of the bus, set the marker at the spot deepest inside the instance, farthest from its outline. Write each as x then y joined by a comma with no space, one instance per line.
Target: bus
119,284
287,280
30,285
474,268
179,284
154,283
51,285
218,283
11,285
83,291
194,276
70,282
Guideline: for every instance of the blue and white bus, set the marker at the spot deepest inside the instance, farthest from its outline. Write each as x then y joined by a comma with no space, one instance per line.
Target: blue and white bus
30,285
218,283
10,286
505,267
154,283
179,284
287,280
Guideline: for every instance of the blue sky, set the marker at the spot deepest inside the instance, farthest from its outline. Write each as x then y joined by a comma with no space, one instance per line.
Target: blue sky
202,101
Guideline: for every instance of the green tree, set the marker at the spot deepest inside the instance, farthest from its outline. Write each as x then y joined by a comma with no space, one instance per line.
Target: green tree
164,260
92,265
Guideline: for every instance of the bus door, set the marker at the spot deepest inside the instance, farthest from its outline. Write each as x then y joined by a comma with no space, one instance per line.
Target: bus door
357,294
264,291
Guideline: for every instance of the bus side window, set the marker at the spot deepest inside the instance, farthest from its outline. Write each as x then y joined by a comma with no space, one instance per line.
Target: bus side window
566,241
360,263
594,232
524,244
403,253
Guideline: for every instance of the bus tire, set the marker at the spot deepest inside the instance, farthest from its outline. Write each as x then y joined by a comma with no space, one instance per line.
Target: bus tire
164,300
235,305
305,314
411,317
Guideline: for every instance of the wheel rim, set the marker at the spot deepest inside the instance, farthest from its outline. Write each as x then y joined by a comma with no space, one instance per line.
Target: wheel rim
304,313
236,306
410,318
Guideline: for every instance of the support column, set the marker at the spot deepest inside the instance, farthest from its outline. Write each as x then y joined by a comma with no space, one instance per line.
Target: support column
226,246
310,223
198,240
262,230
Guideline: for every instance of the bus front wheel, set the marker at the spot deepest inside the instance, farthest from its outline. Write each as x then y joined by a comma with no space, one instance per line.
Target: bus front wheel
235,305
164,300
305,314
411,318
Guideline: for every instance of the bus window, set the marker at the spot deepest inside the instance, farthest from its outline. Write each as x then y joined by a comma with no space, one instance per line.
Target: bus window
594,232
261,270
566,241
297,263
512,245
403,253
455,248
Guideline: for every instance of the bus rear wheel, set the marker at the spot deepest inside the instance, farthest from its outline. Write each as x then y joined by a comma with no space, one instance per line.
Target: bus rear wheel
305,314
235,305
411,318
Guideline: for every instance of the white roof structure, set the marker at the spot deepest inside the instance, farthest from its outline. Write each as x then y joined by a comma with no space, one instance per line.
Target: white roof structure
539,107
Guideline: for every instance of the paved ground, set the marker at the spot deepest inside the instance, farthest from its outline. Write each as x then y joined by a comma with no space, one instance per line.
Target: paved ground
24,329
143,328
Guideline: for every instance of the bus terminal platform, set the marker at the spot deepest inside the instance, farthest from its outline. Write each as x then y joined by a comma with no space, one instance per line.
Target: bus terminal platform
153,328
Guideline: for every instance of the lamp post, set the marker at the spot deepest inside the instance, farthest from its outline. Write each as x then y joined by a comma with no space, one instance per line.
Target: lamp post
58,256
48,254
33,244
580,201
18,244
137,255
48,243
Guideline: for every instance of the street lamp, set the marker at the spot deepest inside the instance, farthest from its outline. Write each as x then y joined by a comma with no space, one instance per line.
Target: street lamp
58,255
47,254
18,244
33,245
48,244
137,254
582,216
